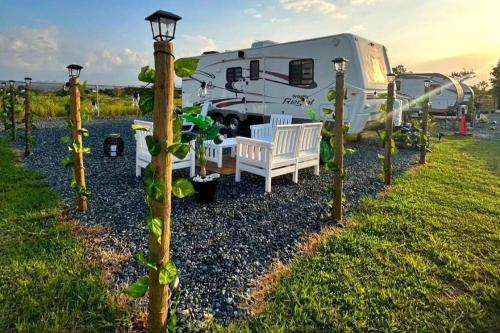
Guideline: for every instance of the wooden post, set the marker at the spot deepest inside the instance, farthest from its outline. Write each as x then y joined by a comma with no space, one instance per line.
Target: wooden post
13,114
74,93
27,121
4,109
423,136
338,181
162,166
388,134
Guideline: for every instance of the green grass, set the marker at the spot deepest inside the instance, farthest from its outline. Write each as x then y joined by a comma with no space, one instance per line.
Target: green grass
46,285
425,257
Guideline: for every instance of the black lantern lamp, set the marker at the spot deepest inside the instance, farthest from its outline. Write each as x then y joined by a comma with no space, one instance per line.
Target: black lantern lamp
427,83
391,77
163,25
27,80
11,83
74,70
340,64
113,145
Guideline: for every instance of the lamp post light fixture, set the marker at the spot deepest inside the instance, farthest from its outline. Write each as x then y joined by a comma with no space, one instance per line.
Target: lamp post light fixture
12,83
338,182
391,78
74,70
424,137
76,123
163,26
27,118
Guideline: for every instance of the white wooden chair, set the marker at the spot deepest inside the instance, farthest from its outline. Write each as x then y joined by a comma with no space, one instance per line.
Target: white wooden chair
269,158
143,157
309,145
265,131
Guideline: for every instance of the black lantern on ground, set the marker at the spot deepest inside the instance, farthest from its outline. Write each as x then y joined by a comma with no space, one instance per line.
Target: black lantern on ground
163,25
27,80
113,145
11,83
391,77
74,70
340,64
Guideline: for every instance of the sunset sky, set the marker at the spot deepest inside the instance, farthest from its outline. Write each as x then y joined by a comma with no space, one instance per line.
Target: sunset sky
112,40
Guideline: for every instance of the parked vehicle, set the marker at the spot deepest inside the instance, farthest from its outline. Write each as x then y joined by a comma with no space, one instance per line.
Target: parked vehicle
468,93
447,93
290,78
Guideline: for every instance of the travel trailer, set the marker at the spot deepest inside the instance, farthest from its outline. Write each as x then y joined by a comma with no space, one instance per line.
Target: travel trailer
447,93
468,93
290,78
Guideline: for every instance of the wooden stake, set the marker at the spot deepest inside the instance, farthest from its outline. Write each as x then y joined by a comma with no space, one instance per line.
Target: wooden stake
74,84
162,166
27,121
4,107
13,115
425,120
338,181
388,135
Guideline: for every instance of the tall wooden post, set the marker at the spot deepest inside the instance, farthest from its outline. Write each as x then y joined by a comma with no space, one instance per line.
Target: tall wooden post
424,133
162,166
4,109
338,181
27,121
74,93
13,114
388,134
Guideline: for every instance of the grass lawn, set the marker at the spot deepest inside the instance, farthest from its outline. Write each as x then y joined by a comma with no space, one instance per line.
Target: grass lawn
46,285
423,257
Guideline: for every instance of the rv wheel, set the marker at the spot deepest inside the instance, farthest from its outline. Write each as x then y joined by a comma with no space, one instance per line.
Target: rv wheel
234,123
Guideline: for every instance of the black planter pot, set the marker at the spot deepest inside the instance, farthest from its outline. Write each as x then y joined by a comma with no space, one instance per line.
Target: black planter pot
205,191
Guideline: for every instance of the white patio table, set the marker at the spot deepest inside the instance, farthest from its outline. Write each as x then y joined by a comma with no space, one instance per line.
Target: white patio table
214,151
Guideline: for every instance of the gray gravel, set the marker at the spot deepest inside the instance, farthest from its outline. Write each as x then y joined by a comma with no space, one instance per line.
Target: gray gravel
219,248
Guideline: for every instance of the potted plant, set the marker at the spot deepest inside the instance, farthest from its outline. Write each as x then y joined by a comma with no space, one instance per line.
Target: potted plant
204,185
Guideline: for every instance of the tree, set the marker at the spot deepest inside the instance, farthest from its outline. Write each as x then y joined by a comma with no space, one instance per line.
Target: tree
495,82
400,69
480,89
463,74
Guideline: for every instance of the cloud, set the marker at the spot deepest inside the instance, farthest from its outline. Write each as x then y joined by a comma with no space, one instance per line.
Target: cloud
279,20
192,45
300,6
361,2
357,28
252,12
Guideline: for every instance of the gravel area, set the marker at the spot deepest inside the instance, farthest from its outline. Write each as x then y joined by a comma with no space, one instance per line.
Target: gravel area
219,248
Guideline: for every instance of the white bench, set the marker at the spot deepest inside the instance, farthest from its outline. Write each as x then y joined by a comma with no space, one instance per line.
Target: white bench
293,147
143,157
265,131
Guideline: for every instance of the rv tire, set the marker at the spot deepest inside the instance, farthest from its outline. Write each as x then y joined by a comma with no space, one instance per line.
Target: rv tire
233,122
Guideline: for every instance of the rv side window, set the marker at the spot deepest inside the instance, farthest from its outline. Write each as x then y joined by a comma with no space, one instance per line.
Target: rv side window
436,88
301,72
233,74
254,70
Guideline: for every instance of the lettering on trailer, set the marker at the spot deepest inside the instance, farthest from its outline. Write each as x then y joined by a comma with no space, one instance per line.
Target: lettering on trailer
297,100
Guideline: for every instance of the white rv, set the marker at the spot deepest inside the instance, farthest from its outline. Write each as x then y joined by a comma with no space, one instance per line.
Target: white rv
290,78
468,93
446,93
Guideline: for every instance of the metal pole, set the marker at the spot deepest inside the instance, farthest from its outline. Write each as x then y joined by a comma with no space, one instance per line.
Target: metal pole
338,182
388,134
163,115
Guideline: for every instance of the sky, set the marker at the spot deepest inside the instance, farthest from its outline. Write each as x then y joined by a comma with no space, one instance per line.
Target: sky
112,41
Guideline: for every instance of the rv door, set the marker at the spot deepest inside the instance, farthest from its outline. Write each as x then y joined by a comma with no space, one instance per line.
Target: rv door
254,90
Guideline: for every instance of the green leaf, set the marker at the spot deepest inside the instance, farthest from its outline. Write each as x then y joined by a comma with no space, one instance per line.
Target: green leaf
86,151
147,75
380,156
182,188
185,67
66,139
349,151
330,95
154,188
86,114
179,150
75,147
70,124
139,127
212,132
203,122
68,161
331,166
193,110
85,132
312,115
325,151
177,128
172,321
83,191
327,111
168,273
154,145
138,288
219,139
146,262
147,101
155,227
